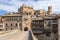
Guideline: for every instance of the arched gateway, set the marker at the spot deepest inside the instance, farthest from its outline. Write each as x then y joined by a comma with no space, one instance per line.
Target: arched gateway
26,29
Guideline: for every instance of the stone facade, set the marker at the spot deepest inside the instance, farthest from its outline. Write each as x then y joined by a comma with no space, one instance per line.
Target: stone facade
43,24
45,28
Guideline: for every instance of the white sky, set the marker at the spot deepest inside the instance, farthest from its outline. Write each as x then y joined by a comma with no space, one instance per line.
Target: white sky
13,5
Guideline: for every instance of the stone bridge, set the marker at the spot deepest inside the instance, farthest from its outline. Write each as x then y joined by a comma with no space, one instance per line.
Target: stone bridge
18,35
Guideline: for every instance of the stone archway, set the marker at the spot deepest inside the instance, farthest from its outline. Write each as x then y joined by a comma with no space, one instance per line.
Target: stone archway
26,29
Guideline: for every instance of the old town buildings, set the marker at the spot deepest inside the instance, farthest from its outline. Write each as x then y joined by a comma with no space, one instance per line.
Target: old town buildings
44,24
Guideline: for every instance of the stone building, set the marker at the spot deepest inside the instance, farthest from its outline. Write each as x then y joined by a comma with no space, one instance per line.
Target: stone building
44,24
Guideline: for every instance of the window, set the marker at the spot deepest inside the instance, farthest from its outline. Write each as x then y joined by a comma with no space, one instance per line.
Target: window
11,19
11,28
16,24
34,13
1,25
19,24
6,24
1,20
25,19
29,13
48,34
0,29
45,22
11,24
26,13
6,29
48,24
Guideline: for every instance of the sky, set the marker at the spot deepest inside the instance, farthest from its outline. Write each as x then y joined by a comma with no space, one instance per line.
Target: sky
7,6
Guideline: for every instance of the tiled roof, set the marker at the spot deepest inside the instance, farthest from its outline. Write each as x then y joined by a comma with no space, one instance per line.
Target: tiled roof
41,17
12,14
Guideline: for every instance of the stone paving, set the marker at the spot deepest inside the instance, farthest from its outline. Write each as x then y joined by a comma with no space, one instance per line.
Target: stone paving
17,35
14,36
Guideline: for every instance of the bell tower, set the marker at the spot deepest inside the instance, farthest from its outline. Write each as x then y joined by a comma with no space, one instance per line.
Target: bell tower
49,10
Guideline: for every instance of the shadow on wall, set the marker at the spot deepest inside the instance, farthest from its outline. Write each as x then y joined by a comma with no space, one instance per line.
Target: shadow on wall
30,36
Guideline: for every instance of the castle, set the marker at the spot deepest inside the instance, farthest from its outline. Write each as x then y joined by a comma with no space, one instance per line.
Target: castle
44,24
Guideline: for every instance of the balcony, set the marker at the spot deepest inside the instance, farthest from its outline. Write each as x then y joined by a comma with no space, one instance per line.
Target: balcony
54,22
37,30
47,30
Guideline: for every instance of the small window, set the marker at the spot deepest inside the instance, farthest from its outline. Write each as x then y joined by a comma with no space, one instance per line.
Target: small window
26,13
1,25
56,38
0,29
49,24
1,20
6,29
48,34
25,19
45,22
34,13
29,13
25,7
11,24
19,24
6,24
11,28
16,24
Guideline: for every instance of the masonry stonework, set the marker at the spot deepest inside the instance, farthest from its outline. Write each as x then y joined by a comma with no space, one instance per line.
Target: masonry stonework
43,24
